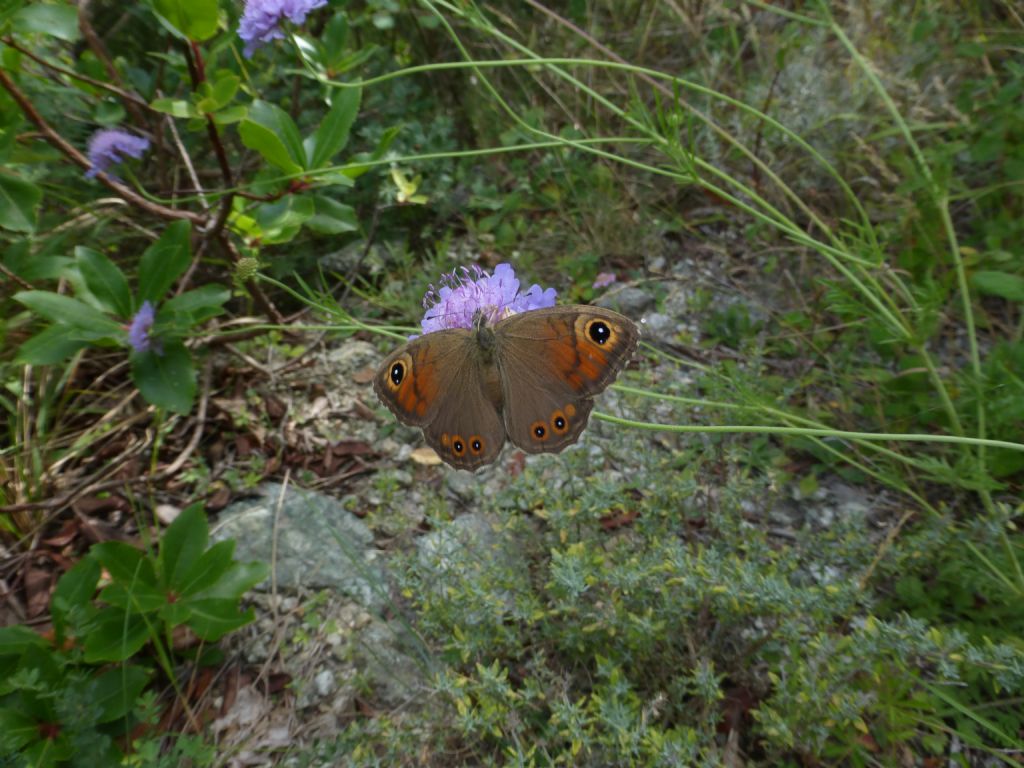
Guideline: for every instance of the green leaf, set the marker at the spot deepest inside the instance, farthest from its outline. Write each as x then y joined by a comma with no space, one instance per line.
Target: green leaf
290,211
140,597
116,634
175,108
19,203
225,87
164,261
16,639
195,19
267,143
16,730
332,134
282,220
70,312
175,614
166,380
115,692
199,304
182,545
333,39
229,115
60,21
237,579
106,282
1002,284
332,217
204,574
125,564
213,618
275,119
74,593
78,585
51,345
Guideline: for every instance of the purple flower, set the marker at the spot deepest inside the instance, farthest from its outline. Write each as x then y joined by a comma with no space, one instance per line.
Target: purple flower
110,146
603,280
473,290
261,20
138,331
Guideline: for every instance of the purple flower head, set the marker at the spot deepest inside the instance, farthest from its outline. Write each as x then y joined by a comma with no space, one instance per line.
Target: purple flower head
473,290
138,331
261,20
603,280
110,146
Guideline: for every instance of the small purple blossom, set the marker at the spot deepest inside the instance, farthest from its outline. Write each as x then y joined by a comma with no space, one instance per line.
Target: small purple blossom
261,20
463,294
603,280
110,146
138,331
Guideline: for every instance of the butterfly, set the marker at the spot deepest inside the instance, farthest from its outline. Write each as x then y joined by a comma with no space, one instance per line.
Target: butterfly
530,377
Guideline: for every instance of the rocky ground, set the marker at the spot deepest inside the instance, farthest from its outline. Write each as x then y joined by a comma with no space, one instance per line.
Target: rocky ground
332,640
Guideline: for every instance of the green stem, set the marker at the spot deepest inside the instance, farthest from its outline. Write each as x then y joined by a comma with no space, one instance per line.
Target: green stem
756,429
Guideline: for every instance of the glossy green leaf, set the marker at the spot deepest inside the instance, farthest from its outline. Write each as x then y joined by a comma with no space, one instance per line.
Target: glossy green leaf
195,19
333,39
332,217
19,203
213,618
116,635
204,574
267,143
164,262
200,303
125,563
69,312
1002,284
139,597
234,582
282,219
106,282
16,639
51,345
175,107
167,380
332,134
115,691
229,115
60,21
183,544
275,119
74,593
16,729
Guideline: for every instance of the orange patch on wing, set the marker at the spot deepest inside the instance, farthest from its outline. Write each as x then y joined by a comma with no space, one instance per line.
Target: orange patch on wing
564,356
570,410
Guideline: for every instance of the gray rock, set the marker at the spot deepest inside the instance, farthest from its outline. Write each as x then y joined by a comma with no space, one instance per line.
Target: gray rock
629,300
659,326
469,545
319,543
396,677
324,683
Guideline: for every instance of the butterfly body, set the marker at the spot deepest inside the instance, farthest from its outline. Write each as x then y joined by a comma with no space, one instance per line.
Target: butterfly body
530,377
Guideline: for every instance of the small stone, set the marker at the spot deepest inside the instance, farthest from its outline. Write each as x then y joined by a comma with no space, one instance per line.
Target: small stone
324,683
629,300
166,513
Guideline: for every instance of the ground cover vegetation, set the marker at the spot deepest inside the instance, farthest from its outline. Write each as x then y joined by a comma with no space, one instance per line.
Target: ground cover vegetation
820,206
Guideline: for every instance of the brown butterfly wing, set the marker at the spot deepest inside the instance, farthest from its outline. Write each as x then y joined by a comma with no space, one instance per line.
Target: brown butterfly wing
551,363
439,382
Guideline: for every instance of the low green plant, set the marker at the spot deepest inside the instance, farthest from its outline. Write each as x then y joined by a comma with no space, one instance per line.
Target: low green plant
78,691
100,312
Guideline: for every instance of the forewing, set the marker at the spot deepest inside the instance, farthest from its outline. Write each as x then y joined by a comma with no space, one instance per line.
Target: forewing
551,362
